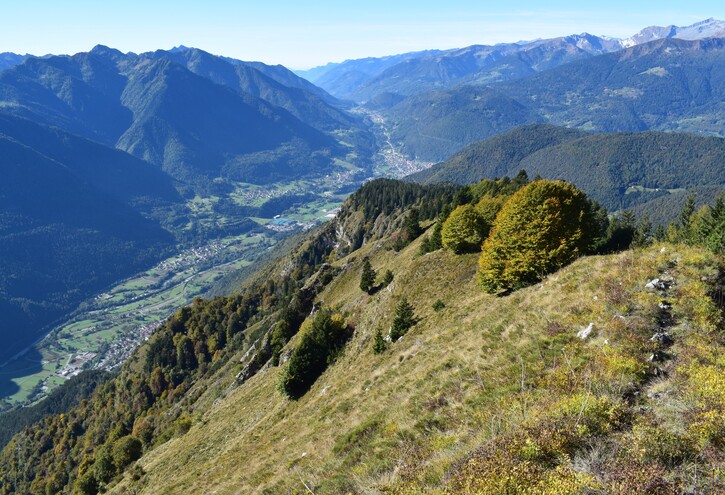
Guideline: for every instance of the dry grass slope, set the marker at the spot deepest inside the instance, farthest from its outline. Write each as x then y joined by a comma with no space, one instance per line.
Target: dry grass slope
488,395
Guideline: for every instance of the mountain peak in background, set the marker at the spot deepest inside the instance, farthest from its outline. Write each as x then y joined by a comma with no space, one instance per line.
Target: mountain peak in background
709,28
412,73
180,48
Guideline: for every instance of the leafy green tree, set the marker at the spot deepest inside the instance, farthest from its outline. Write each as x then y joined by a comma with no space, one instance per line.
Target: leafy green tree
379,344
543,227
86,484
318,348
438,305
56,482
403,320
104,468
185,356
125,450
464,230
367,277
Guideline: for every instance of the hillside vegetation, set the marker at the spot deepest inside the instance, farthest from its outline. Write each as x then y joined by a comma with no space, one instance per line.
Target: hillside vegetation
606,375
620,170
486,393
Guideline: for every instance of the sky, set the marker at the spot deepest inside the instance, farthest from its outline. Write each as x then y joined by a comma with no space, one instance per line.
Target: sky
301,34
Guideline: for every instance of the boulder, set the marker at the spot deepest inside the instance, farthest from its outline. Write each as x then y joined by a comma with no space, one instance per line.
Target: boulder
585,332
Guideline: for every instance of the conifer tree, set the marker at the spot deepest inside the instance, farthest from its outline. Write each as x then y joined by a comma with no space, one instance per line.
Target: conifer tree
684,231
404,319
411,226
643,232
367,278
435,239
379,344
388,278
715,239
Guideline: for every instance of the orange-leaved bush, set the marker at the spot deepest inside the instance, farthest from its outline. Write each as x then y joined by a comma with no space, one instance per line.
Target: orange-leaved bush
541,228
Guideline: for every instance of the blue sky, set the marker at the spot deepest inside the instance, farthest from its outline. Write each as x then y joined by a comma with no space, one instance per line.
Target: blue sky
302,34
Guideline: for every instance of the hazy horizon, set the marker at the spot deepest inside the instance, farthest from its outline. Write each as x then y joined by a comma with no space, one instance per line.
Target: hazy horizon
302,36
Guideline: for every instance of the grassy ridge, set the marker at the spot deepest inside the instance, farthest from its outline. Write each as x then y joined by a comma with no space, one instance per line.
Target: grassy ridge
484,374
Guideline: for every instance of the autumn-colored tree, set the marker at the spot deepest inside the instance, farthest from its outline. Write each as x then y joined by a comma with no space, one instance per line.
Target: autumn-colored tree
489,206
543,227
464,230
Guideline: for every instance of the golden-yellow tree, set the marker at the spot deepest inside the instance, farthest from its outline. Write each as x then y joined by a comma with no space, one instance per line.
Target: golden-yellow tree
464,230
541,228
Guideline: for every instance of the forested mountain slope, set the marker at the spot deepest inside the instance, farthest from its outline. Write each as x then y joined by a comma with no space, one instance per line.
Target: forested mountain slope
74,216
620,170
667,85
557,387
217,119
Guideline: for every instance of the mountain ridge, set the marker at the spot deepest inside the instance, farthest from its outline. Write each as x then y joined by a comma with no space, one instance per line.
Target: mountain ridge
665,85
490,63
126,101
476,384
620,170
69,226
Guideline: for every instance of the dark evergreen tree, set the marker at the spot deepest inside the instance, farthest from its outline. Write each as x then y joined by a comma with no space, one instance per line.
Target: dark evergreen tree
436,241
643,232
621,231
715,238
411,227
425,245
388,278
660,233
404,319
379,344
367,277
684,230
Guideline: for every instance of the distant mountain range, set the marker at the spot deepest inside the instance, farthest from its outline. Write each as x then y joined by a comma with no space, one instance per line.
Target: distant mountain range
8,60
362,80
668,84
97,150
195,115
